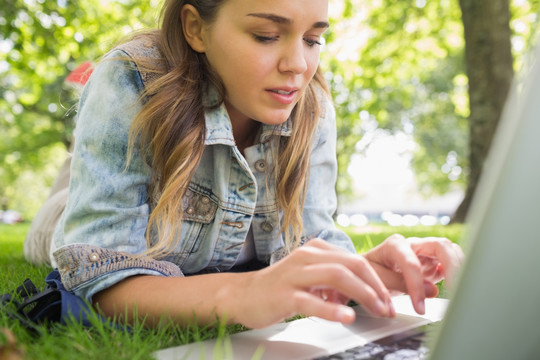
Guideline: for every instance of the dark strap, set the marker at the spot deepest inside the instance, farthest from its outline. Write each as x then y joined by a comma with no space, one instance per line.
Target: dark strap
25,290
54,304
10,305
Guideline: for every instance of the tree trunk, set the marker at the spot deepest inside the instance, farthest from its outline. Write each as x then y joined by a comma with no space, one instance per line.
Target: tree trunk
489,64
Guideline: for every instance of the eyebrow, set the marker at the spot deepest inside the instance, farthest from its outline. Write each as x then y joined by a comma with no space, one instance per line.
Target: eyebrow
283,20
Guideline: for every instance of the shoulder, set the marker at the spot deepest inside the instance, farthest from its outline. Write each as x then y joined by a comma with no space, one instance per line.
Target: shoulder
115,74
113,89
144,52
143,46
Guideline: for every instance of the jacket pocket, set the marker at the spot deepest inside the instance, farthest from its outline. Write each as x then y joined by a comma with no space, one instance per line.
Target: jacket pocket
198,215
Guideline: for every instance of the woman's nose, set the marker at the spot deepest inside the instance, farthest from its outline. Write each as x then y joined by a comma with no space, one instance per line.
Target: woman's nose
294,58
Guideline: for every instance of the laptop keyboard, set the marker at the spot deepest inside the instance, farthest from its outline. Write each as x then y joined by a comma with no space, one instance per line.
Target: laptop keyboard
410,347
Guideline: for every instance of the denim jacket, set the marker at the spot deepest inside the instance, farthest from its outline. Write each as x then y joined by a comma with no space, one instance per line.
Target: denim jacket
105,220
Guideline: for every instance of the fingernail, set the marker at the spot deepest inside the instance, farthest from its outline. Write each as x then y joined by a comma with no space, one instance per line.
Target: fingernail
420,307
345,314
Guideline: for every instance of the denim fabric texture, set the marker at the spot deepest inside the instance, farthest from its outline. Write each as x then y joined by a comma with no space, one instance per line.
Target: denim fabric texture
104,223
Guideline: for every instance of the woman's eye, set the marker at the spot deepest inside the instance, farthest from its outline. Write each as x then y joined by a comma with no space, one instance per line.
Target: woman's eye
313,42
264,39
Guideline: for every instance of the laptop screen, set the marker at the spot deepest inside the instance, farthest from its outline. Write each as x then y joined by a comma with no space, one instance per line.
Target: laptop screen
494,313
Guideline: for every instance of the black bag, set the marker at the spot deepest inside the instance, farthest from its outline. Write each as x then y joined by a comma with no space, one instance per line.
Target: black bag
52,305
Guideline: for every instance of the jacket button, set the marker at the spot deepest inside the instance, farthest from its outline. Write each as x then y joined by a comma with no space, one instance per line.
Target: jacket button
260,165
205,200
267,227
190,210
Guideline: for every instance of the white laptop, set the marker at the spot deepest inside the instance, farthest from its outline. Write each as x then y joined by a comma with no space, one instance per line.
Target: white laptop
494,312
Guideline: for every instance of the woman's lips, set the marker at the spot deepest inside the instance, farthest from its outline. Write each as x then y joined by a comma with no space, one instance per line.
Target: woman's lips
283,96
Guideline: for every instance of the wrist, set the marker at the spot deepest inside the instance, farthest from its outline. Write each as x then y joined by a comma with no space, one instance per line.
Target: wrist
229,297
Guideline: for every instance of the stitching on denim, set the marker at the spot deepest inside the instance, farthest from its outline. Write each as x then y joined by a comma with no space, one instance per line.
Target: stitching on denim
79,263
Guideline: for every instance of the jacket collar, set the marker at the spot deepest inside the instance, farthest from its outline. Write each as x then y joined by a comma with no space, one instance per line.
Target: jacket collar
219,127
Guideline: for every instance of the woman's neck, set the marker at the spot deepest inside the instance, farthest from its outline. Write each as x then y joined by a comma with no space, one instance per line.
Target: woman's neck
244,129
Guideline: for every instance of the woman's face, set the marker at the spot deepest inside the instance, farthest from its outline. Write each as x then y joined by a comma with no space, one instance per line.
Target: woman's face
265,52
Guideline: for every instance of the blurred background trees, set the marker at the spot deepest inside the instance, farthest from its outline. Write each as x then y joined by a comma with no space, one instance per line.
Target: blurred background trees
490,70
40,43
402,69
395,67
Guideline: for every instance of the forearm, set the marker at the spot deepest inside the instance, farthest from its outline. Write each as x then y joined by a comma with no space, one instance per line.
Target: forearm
200,299
255,299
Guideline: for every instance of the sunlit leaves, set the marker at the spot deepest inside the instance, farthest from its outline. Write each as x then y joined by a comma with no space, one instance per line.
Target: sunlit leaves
401,63
398,73
40,43
395,65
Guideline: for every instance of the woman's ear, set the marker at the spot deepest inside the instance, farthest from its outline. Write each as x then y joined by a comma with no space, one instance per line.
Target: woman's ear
193,27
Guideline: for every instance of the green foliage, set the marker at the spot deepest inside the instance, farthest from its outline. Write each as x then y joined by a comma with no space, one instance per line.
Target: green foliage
398,66
524,25
40,43
392,65
397,74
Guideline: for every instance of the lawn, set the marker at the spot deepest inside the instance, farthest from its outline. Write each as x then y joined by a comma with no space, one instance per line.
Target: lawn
101,342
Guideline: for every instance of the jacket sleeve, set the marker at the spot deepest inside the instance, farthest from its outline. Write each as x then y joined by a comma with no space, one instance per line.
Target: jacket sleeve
102,229
321,199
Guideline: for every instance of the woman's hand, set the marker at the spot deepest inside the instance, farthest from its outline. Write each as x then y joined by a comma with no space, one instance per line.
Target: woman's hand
414,265
316,279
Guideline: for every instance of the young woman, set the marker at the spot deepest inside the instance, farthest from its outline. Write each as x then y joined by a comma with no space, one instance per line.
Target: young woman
202,178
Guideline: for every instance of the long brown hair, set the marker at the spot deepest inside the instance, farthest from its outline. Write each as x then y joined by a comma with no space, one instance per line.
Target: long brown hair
171,130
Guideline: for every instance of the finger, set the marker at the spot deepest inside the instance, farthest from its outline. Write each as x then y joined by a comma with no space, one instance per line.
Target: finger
447,253
405,260
337,297
396,283
341,279
311,305
322,293
329,294
430,289
431,269
321,252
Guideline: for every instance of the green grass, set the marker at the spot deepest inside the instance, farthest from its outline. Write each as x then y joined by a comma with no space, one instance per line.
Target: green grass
365,239
101,342
75,341
13,268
